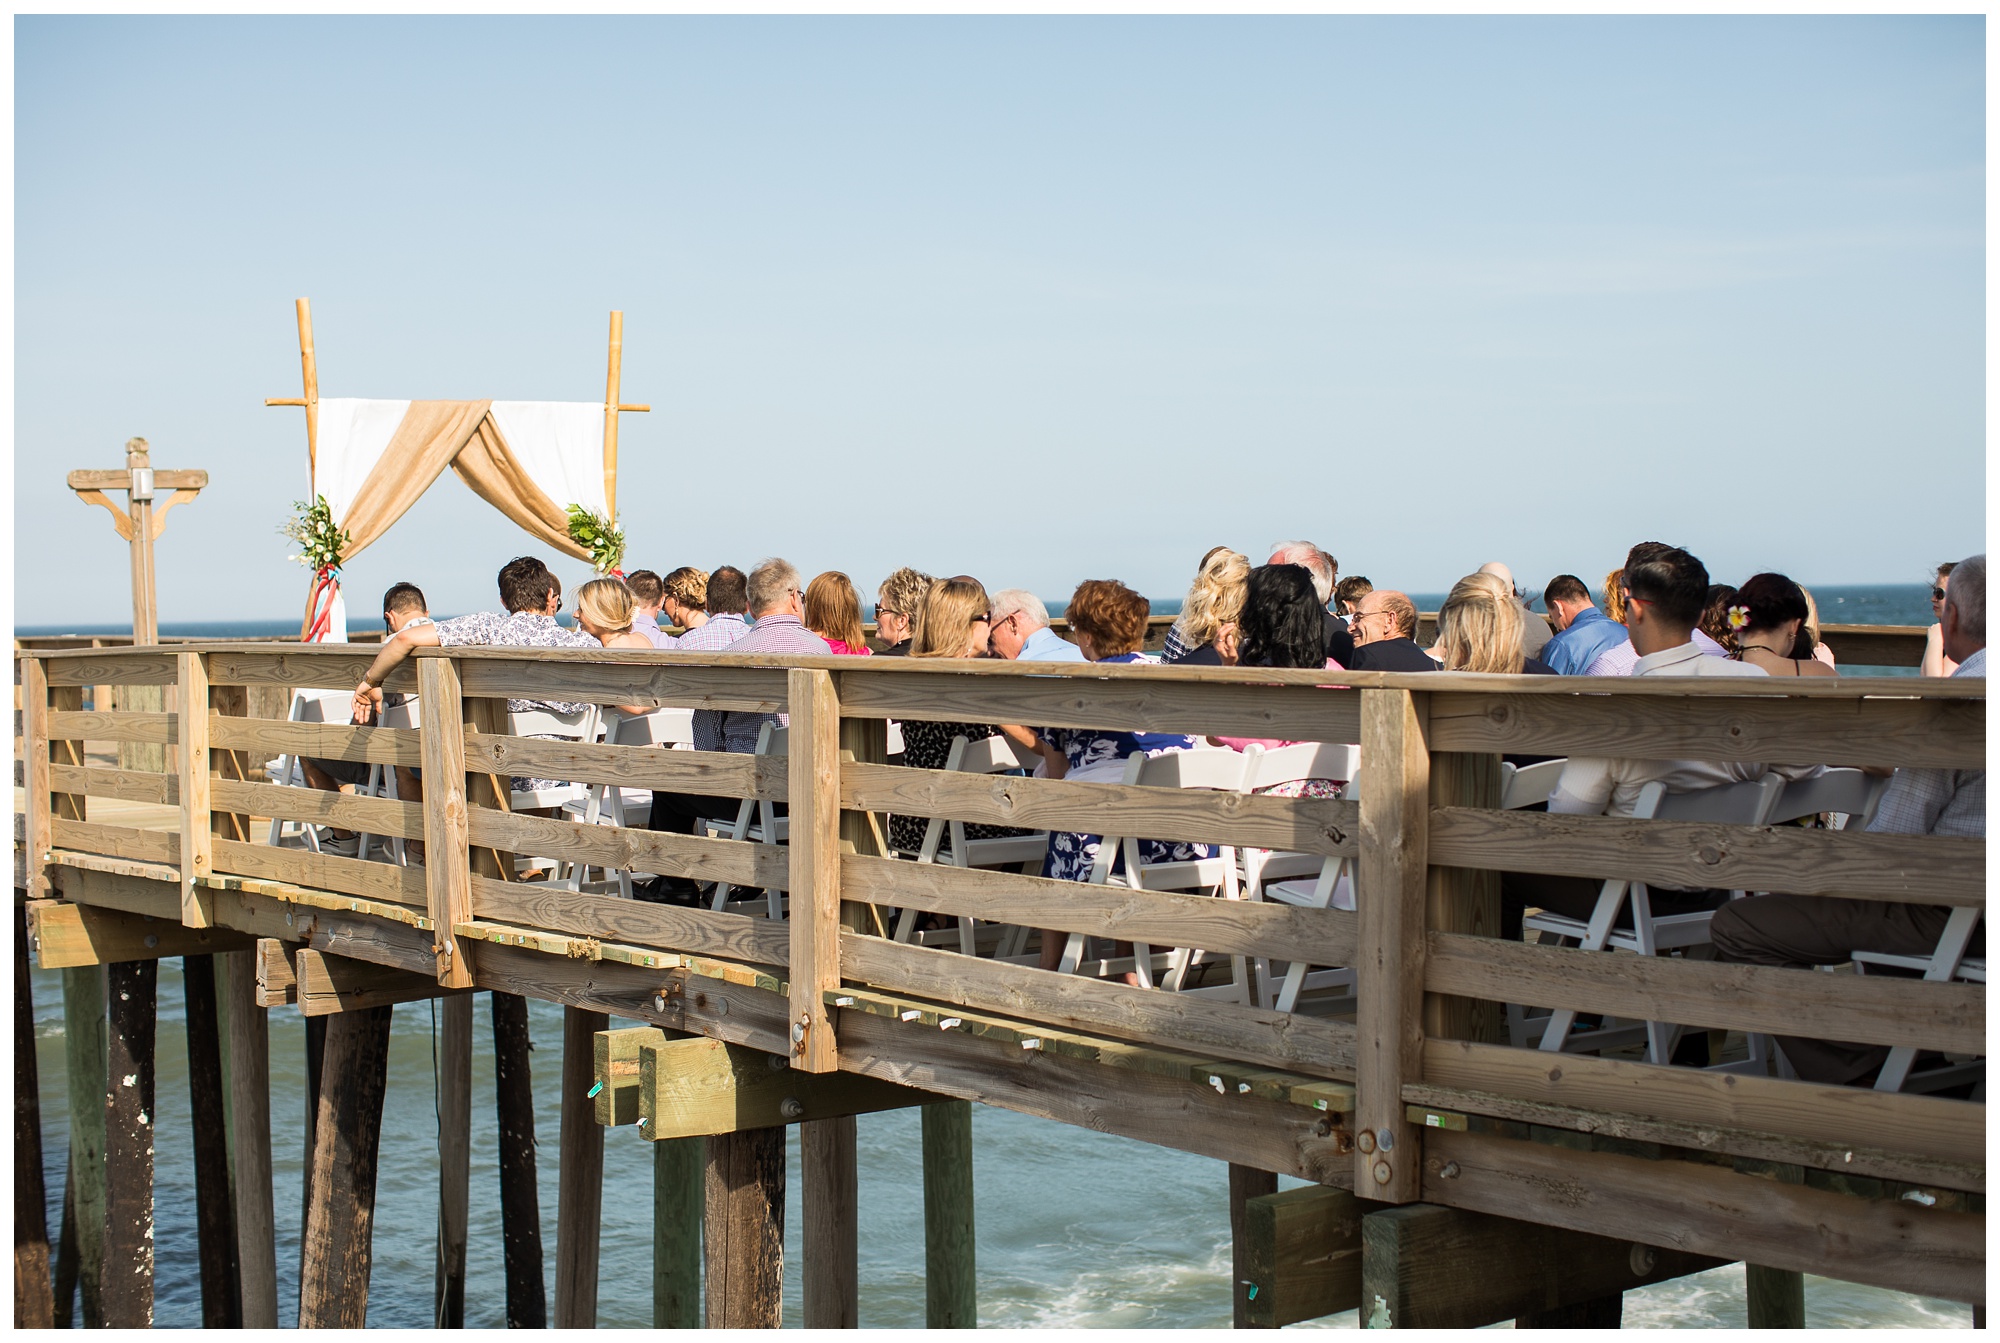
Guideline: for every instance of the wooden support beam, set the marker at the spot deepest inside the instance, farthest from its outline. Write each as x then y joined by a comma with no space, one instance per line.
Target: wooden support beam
447,875
315,1043
697,1087
328,984
1245,1183
832,1227
815,864
197,843
249,1031
580,1176
65,936
1301,1256
951,1277
215,1209
1463,899
1775,1297
1430,1267
339,1243
34,1299
454,1108
1389,1034
678,1194
86,1064
35,749
615,1072
614,368
743,1230
520,1206
277,977
128,1145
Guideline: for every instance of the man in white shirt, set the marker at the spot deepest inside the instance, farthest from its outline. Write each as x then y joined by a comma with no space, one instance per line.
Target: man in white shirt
1807,930
1666,590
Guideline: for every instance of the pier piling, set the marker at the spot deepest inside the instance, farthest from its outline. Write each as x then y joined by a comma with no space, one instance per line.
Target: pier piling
1245,1183
580,1175
128,1144
333,1280
951,1295
215,1213
677,1214
84,1056
248,1029
454,1109
832,1265
520,1206
34,1302
743,1234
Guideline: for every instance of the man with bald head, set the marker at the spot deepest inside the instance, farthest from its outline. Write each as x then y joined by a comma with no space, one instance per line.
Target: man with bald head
1325,572
1385,629
1535,631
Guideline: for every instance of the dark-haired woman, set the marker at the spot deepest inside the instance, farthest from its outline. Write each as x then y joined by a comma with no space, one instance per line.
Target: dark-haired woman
1768,617
1281,627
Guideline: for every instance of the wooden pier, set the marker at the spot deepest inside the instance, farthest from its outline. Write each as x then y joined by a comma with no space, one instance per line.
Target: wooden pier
1454,1179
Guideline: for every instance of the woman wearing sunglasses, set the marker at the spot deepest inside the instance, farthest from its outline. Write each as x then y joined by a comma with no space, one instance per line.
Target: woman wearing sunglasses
1935,663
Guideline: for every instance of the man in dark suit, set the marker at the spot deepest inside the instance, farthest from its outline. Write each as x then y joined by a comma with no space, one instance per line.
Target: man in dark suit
1385,624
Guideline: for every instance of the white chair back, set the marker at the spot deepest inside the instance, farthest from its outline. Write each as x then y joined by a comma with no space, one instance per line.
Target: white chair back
1748,803
408,714
1270,767
578,726
1850,792
1526,785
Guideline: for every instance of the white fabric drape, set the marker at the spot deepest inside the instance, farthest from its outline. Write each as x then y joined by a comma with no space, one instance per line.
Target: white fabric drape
560,444
352,437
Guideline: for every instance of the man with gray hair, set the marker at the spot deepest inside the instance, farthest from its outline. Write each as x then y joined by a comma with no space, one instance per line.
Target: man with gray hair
1808,930
1325,571
1020,630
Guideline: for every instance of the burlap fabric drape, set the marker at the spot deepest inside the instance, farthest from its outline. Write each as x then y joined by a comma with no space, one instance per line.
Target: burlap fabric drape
461,435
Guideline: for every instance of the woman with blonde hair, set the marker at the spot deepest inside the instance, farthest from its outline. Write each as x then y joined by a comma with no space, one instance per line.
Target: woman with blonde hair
1479,629
1614,596
953,620
604,609
1213,603
833,612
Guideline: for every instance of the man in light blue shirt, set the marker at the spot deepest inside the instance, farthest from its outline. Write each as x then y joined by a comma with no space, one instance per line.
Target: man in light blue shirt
1584,632
1020,630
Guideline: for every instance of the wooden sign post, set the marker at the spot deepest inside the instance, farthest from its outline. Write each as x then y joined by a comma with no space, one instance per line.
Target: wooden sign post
140,522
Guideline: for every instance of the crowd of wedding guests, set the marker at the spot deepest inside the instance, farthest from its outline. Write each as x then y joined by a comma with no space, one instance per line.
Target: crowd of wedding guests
1658,614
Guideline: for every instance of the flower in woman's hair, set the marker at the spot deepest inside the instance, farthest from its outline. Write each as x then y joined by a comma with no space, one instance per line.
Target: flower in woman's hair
1739,617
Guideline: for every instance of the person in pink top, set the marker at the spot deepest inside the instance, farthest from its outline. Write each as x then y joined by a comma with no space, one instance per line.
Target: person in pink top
833,612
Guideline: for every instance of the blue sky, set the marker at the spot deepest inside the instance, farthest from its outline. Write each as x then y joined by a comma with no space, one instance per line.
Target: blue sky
1034,299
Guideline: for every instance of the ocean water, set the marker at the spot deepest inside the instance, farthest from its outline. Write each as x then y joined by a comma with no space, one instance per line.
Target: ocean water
1075,1229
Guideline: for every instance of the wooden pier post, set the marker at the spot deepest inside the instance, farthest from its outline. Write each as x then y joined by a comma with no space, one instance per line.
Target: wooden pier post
333,1280
579,1174
454,1108
215,1213
677,1211
520,1206
85,1048
951,1280
249,1033
1245,1183
315,1068
128,1145
1775,1298
34,1301
744,1229
832,1228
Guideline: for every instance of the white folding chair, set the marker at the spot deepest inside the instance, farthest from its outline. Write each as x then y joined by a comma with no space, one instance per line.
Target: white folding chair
771,740
1211,769
1525,785
989,755
581,725
606,804
1748,803
1946,963
308,706
1293,878
1852,793
382,782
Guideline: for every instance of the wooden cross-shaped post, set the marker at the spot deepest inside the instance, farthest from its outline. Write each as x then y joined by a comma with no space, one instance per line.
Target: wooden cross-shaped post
140,522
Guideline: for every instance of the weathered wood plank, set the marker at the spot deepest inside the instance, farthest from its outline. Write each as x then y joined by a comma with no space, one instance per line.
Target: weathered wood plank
127,785
608,679
1308,825
1711,1210
815,867
1462,899
1390,977
319,741
88,725
329,983
321,871
443,820
1432,1267
376,815
1868,1009
117,841
1322,1048
1918,869
104,667
39,836
197,852
831,1179
318,667
1157,918
743,1230
734,861
700,1087
1924,1126
277,977
1301,1256
707,773
703,932
65,936
1677,722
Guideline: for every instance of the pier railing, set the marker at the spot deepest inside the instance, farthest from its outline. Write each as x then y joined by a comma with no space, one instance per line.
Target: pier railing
1416,1098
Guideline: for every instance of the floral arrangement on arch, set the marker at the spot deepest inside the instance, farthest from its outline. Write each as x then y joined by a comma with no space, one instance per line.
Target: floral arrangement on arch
603,538
321,544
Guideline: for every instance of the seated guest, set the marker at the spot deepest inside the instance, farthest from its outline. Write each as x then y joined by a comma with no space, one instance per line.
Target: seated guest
1280,627
896,604
402,606
648,595
1620,658
1020,629
1177,645
776,603
607,611
833,612
1614,596
1109,620
1582,631
1215,600
532,596
1347,594
951,623
1325,571
1479,629
1535,632
1767,619
683,598
1385,628
1808,930
725,602
1715,616
1937,662
1810,634
1665,590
